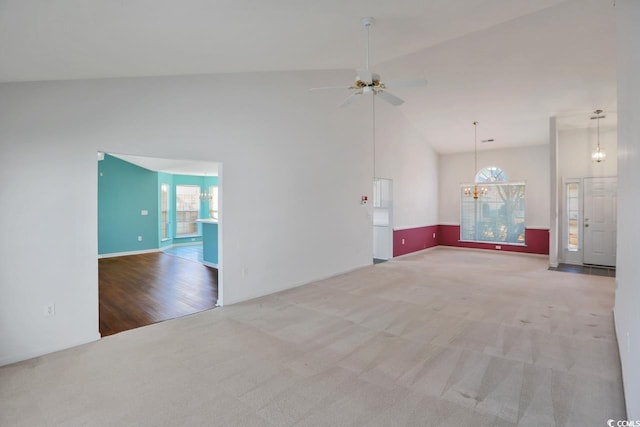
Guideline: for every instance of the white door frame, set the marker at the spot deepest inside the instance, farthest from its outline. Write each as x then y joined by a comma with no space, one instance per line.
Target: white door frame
567,256
382,234
606,227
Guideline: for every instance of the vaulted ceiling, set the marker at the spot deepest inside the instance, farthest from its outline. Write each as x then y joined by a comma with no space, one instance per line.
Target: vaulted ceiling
510,64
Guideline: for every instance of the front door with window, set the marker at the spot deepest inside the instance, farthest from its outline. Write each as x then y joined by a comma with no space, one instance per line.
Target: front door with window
599,225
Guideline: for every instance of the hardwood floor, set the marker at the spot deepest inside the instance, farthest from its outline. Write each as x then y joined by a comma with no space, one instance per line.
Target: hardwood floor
139,290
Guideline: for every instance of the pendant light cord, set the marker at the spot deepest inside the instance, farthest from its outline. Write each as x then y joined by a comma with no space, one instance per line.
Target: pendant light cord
475,149
373,125
598,125
373,105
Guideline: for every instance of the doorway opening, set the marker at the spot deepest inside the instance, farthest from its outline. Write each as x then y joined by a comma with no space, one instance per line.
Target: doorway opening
158,239
589,224
382,220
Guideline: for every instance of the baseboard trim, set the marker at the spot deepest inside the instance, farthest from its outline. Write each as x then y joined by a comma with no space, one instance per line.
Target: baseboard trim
175,245
21,357
508,253
298,284
147,251
416,252
116,254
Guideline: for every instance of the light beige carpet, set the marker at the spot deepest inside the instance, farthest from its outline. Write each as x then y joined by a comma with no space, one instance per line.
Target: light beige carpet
445,337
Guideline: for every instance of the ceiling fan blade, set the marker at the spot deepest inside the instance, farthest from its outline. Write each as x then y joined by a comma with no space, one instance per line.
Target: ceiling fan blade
391,99
329,87
406,83
350,98
365,76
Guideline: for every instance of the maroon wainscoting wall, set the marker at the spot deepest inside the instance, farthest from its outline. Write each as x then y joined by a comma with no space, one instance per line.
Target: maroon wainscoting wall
537,241
416,239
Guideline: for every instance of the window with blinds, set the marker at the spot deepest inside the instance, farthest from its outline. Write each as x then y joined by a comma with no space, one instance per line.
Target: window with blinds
187,209
573,216
496,217
164,210
213,202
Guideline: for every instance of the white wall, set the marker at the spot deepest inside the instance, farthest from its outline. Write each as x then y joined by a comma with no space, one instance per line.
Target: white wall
294,169
574,153
403,156
627,311
574,161
528,164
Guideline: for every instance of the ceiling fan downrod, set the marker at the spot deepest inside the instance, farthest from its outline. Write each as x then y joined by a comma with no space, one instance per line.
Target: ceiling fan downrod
367,22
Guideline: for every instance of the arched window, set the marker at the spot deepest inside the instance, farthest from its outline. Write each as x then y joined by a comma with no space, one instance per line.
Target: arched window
497,213
491,174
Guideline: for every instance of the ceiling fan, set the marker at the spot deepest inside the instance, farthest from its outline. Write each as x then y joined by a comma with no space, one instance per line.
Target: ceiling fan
369,82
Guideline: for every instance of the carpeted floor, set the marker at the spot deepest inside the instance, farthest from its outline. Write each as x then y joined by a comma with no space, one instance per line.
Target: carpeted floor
444,337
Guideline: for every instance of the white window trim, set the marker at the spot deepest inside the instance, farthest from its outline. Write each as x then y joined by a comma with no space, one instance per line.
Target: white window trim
487,184
565,214
196,233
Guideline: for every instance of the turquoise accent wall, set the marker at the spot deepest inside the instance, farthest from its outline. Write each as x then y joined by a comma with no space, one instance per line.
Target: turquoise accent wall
210,243
124,190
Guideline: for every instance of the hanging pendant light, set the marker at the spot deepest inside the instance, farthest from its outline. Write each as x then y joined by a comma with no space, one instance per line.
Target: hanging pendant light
205,196
475,191
598,155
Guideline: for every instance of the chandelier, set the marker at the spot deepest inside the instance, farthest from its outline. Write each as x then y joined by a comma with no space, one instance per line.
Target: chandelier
206,196
475,191
598,155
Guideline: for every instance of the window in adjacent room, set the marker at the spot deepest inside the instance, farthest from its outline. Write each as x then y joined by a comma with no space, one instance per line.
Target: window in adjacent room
213,202
497,216
573,216
164,210
187,209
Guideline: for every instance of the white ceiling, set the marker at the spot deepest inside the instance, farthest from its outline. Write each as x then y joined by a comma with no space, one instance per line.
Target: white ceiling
510,64
173,166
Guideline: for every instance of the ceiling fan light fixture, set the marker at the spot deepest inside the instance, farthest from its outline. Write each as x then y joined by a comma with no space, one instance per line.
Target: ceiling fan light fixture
368,21
369,82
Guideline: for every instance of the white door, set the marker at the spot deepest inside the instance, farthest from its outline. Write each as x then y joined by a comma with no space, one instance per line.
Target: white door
600,224
382,219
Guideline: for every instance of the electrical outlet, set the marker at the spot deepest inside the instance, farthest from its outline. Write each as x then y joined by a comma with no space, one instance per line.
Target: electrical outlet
49,310
498,247
139,238
403,241
434,235
144,212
